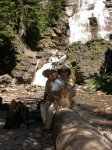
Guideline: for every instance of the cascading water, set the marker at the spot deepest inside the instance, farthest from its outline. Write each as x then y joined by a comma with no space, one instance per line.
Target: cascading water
39,79
88,19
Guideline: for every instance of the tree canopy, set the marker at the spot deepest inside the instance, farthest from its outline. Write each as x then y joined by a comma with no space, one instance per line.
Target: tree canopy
26,17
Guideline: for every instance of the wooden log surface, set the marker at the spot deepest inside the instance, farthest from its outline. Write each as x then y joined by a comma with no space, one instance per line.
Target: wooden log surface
71,132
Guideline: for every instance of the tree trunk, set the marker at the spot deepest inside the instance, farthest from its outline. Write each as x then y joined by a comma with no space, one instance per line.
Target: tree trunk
22,28
71,132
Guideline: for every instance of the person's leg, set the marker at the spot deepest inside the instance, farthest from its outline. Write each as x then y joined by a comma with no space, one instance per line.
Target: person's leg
43,110
49,116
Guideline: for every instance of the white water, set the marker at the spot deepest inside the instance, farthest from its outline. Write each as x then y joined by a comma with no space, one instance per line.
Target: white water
39,79
79,20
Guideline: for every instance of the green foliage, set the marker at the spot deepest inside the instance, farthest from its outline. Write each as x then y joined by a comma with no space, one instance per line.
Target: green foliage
101,82
9,19
90,49
19,57
55,11
95,82
18,66
34,15
95,46
72,49
42,17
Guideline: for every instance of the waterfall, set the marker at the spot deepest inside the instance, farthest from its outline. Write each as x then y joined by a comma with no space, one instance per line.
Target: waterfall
88,19
102,15
39,79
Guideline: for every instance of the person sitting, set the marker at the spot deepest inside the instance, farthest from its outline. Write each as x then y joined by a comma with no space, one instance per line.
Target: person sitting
44,104
64,73
67,94
51,110
58,90
46,73
52,75
72,83
57,84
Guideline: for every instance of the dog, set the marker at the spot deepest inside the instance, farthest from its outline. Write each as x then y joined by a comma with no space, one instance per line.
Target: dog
66,98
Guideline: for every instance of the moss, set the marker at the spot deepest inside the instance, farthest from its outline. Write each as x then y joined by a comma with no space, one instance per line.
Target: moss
92,48
19,59
91,58
73,49
19,66
95,62
96,46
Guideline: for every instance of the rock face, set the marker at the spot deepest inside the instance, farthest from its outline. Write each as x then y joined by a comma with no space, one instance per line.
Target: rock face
93,57
5,79
89,19
56,38
24,69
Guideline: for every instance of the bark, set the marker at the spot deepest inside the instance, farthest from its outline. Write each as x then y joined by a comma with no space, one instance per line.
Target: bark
22,28
71,132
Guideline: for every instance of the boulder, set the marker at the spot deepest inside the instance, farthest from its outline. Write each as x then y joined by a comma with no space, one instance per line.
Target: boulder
5,79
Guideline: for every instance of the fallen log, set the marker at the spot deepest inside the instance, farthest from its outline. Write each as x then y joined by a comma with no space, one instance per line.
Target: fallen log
71,132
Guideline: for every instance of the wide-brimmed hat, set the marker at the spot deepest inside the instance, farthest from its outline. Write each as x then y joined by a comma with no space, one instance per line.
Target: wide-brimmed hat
53,70
46,72
64,68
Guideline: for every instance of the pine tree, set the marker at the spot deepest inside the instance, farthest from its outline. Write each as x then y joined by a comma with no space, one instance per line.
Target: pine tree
28,18
9,19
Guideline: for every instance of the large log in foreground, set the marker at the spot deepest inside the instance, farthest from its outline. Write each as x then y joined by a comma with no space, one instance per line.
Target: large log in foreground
71,132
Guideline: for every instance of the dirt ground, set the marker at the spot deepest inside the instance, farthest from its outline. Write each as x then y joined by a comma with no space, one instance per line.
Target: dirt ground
96,107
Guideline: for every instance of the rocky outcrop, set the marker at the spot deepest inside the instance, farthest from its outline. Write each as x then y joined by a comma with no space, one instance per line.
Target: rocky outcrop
5,79
24,69
55,38
90,58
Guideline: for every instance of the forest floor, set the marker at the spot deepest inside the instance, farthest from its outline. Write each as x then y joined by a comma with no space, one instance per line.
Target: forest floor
96,107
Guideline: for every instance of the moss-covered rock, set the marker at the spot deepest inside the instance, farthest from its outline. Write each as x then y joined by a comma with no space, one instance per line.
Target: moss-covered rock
90,58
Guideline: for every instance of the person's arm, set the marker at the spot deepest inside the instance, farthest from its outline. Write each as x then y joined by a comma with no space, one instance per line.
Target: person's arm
46,91
50,92
45,97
